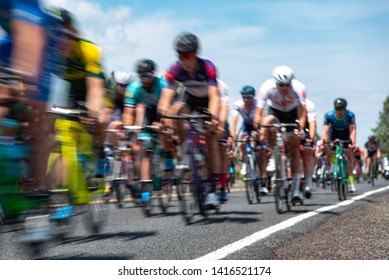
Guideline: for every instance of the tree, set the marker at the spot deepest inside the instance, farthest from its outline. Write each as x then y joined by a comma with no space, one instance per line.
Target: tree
381,132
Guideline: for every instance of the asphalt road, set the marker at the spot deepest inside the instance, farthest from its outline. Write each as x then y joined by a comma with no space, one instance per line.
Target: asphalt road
320,229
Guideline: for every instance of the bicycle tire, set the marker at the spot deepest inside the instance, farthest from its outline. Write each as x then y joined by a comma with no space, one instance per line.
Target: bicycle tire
372,169
281,192
187,201
249,180
98,212
147,204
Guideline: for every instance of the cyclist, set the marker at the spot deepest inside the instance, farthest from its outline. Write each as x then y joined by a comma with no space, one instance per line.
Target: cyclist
141,107
372,149
285,98
197,77
339,123
224,134
30,48
84,73
358,162
247,108
309,147
114,104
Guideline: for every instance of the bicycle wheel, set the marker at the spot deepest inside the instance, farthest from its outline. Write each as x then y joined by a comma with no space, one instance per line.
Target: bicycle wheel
97,213
371,175
281,192
165,195
323,177
249,180
186,199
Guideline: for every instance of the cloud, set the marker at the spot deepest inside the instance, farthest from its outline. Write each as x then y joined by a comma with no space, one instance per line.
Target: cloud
336,48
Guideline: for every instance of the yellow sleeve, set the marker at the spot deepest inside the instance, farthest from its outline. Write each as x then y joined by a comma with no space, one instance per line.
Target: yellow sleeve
92,58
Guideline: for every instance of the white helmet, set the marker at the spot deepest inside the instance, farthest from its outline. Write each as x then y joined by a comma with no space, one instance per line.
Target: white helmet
283,75
122,77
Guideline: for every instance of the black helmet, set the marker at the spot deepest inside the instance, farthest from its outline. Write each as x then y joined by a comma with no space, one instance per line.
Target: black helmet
146,67
340,103
247,90
66,17
187,42
371,137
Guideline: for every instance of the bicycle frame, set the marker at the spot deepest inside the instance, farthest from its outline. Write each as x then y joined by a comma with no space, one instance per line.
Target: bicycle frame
340,169
282,191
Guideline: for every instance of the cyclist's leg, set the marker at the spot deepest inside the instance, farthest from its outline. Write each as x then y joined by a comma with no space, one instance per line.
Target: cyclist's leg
308,156
295,162
350,165
262,160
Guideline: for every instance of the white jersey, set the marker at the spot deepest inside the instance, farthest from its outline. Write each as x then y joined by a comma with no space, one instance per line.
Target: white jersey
311,113
238,109
223,93
269,95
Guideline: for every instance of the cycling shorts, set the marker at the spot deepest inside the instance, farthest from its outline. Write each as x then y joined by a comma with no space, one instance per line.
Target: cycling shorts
284,117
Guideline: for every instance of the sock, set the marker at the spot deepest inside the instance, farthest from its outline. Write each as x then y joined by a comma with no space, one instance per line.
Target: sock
351,180
223,181
308,181
215,180
296,182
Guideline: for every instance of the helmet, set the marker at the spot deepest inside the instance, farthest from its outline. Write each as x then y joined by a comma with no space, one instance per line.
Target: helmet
67,17
283,75
122,77
187,42
145,67
340,103
247,90
371,137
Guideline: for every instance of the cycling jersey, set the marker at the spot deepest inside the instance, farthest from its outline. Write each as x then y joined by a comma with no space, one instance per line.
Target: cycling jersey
269,95
371,148
193,86
84,62
31,12
247,116
137,94
339,128
223,93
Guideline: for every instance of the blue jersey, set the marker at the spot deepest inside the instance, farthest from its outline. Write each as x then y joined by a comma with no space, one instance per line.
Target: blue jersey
31,12
339,128
137,94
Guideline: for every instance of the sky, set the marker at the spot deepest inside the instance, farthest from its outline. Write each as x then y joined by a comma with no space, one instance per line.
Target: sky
336,48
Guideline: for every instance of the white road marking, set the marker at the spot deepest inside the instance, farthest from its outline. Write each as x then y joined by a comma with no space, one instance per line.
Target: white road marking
240,244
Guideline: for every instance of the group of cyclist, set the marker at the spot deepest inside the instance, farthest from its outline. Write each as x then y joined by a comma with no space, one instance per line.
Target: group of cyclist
39,42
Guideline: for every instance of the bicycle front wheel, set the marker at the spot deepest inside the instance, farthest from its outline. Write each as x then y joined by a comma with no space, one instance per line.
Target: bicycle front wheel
281,192
98,212
249,180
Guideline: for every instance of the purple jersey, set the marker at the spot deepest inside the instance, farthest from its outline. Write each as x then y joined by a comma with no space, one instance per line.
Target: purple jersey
197,85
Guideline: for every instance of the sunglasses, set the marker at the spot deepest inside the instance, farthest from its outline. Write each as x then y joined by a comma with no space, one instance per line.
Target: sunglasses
185,55
340,109
281,85
247,96
122,85
146,75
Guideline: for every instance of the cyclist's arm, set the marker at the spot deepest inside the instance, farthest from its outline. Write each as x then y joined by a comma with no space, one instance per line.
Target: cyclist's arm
214,102
128,116
95,95
353,134
223,114
258,117
301,115
312,130
234,122
324,136
165,101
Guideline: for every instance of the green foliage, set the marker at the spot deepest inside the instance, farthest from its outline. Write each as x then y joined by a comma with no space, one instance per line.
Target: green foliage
381,132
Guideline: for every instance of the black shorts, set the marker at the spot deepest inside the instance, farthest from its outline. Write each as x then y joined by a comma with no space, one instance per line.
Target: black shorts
196,103
284,117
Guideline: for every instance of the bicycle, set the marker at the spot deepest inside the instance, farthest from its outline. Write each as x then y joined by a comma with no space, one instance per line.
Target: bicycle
373,170
157,188
250,178
191,168
72,165
121,169
340,174
282,192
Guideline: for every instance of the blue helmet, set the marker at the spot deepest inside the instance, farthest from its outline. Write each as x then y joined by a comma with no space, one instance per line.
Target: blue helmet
247,90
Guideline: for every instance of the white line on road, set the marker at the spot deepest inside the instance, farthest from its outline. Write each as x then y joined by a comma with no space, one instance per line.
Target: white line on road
233,247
